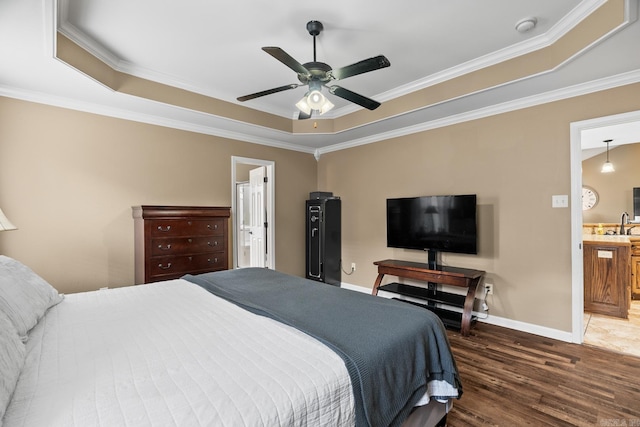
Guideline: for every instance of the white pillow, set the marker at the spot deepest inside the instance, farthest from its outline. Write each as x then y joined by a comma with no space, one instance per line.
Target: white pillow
12,354
24,296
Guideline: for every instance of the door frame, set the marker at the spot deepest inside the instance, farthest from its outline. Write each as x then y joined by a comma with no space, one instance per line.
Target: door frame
577,273
270,207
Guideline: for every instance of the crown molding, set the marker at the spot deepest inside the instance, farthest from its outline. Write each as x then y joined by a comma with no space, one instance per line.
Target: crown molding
551,96
119,113
531,101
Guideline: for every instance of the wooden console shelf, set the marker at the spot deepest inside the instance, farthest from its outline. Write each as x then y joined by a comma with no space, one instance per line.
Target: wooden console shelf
452,276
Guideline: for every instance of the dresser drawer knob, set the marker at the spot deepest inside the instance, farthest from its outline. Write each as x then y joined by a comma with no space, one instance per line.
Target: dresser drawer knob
165,229
168,266
215,226
164,248
215,260
215,243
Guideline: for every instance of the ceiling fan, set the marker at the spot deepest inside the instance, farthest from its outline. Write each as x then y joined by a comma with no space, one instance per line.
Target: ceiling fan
317,74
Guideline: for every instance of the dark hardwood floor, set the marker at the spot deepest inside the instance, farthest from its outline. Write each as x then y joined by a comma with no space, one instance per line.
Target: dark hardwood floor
511,378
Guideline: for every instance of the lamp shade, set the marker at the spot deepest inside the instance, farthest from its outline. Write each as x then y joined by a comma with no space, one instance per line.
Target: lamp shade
303,105
5,224
315,99
607,167
326,106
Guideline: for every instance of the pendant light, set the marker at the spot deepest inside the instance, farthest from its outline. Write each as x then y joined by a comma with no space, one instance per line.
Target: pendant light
607,167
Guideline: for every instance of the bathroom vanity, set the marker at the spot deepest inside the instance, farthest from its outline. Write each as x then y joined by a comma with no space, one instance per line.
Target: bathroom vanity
635,267
607,274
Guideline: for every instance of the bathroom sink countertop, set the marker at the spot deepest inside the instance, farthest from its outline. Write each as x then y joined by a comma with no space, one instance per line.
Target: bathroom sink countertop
605,238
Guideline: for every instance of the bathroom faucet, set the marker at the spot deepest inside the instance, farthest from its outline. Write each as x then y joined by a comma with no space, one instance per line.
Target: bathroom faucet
622,222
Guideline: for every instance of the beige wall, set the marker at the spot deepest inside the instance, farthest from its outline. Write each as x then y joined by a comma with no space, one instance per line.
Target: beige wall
615,190
514,162
68,180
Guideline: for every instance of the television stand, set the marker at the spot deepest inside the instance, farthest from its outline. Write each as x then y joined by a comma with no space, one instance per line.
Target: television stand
452,276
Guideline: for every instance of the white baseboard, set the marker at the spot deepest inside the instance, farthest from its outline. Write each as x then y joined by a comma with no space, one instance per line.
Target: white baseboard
529,328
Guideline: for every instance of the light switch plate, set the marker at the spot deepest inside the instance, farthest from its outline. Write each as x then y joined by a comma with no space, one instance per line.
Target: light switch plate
560,201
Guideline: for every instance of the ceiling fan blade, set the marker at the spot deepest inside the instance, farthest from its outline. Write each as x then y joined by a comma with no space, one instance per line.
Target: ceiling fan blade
287,60
304,116
267,92
364,66
354,97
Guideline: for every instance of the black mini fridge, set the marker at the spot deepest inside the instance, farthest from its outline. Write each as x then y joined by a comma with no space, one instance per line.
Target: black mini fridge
324,238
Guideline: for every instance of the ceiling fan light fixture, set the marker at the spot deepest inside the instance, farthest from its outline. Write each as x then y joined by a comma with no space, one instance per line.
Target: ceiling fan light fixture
317,101
314,100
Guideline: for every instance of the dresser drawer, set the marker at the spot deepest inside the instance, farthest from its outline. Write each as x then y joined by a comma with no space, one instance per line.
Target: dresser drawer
183,227
171,265
187,245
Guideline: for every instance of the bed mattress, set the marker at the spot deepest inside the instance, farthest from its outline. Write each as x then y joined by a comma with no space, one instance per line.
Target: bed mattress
173,354
395,353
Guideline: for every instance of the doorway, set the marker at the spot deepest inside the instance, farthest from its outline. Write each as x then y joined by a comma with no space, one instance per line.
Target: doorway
579,131
253,212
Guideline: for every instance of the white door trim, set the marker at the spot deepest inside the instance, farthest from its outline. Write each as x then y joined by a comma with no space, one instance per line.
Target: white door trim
271,210
577,279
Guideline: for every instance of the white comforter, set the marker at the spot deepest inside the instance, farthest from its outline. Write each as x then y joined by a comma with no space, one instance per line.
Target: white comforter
172,354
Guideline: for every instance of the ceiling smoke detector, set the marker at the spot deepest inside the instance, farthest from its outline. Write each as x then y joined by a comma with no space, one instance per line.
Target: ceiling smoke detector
526,24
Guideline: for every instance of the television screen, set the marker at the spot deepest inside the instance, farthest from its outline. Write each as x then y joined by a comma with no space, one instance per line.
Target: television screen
435,223
636,204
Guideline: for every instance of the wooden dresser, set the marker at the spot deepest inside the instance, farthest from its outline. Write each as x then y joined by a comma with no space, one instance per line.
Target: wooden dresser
171,241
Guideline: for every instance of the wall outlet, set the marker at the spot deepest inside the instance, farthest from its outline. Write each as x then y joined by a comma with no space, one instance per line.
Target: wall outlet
488,287
353,267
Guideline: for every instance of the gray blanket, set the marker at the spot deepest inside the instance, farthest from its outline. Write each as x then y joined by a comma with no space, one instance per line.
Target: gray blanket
391,349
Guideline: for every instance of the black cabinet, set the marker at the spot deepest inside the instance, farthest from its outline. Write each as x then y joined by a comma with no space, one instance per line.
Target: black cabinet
324,240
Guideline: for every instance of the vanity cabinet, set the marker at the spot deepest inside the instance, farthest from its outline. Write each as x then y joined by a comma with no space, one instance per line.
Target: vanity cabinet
607,270
635,269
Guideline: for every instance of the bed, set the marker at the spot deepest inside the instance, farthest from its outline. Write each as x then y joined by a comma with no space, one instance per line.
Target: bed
248,347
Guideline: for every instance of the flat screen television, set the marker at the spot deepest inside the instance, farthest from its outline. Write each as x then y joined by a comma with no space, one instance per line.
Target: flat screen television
433,223
636,204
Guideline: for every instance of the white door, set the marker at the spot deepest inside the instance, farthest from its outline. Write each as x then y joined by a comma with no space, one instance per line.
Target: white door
258,220
240,173
243,225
